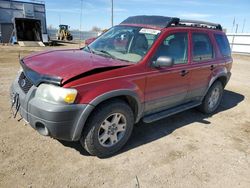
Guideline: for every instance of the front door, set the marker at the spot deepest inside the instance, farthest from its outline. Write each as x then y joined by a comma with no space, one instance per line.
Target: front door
167,87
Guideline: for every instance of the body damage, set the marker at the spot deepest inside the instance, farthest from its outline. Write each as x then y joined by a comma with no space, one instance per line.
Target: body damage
68,64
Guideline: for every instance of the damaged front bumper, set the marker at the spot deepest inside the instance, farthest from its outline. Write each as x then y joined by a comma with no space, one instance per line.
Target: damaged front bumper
61,121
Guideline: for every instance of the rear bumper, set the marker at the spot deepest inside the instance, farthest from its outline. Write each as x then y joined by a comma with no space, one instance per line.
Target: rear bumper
60,121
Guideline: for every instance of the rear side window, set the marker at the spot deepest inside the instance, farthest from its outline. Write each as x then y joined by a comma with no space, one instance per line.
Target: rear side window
202,47
223,44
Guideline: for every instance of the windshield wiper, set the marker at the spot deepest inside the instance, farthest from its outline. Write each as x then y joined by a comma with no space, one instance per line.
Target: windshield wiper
109,54
124,60
89,49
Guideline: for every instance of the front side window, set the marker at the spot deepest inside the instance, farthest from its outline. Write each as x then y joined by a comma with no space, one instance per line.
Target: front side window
174,46
202,47
125,43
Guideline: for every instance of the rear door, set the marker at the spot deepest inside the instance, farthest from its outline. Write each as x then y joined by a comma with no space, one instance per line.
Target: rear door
202,62
167,87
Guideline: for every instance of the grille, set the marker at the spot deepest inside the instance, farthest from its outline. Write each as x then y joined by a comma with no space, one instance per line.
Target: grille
24,83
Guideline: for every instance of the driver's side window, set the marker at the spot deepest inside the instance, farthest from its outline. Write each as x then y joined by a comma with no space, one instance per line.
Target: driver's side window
174,46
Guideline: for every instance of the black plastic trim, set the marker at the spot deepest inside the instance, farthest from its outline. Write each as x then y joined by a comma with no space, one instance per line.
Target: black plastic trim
37,78
121,92
171,111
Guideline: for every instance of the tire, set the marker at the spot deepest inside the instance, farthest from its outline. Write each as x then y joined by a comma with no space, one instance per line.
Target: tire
70,37
101,136
212,99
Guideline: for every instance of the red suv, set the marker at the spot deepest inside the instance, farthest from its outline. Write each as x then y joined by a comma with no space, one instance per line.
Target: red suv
148,67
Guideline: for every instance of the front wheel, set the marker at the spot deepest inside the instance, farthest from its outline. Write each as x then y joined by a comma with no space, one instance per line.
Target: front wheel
212,99
108,128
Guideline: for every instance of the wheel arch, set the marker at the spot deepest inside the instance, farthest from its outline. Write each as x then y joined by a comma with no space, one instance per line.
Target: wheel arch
223,78
130,97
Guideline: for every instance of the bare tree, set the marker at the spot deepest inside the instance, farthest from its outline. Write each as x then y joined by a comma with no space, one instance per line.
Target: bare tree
96,29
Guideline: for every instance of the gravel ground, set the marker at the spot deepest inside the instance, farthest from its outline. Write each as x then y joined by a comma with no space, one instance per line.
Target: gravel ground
186,150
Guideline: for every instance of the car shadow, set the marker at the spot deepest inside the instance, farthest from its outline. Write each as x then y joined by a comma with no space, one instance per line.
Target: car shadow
144,133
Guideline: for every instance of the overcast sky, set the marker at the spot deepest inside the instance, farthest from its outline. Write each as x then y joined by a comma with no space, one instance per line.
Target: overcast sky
97,12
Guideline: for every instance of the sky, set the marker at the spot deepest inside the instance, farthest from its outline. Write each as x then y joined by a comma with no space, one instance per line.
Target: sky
97,12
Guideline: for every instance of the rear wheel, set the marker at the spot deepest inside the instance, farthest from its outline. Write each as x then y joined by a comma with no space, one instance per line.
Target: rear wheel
69,37
212,99
108,128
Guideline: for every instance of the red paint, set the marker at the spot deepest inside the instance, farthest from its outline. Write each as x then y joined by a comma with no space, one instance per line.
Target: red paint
147,82
68,63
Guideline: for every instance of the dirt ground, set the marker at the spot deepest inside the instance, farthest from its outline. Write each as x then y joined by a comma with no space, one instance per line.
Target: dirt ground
187,150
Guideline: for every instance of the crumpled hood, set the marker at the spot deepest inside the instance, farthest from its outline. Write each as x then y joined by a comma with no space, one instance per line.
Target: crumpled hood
69,63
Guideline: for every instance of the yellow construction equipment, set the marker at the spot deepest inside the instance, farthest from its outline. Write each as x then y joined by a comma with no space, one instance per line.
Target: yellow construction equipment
64,33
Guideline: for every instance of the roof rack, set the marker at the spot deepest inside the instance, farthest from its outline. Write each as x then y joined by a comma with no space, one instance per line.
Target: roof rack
196,23
163,22
154,21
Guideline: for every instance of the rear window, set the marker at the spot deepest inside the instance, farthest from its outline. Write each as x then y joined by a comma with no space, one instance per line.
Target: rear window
223,44
202,47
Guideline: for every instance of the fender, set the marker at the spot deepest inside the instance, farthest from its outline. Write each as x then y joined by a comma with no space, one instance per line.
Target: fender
108,95
220,73
223,72
117,93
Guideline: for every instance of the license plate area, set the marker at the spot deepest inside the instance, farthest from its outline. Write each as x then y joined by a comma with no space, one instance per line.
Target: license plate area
15,104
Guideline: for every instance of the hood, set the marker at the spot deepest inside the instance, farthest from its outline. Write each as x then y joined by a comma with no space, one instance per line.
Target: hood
67,64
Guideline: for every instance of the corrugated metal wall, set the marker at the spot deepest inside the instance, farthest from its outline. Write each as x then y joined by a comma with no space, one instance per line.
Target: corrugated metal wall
239,42
15,9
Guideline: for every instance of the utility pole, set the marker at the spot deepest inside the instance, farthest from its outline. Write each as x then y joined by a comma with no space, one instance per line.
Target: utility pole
59,19
112,13
80,34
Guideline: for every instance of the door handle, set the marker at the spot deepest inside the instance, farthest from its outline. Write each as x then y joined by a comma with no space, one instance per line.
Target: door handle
184,72
212,67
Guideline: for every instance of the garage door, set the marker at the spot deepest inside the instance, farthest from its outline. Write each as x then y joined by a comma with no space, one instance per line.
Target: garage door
6,30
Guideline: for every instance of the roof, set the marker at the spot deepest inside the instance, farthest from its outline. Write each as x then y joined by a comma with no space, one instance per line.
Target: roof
163,22
34,2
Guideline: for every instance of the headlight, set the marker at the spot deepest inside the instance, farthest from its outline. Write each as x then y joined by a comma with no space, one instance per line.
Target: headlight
56,94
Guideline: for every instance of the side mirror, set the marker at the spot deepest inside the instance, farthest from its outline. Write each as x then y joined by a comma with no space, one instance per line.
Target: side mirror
163,61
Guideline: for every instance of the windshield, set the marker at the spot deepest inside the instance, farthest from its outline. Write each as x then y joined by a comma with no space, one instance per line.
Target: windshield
125,43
